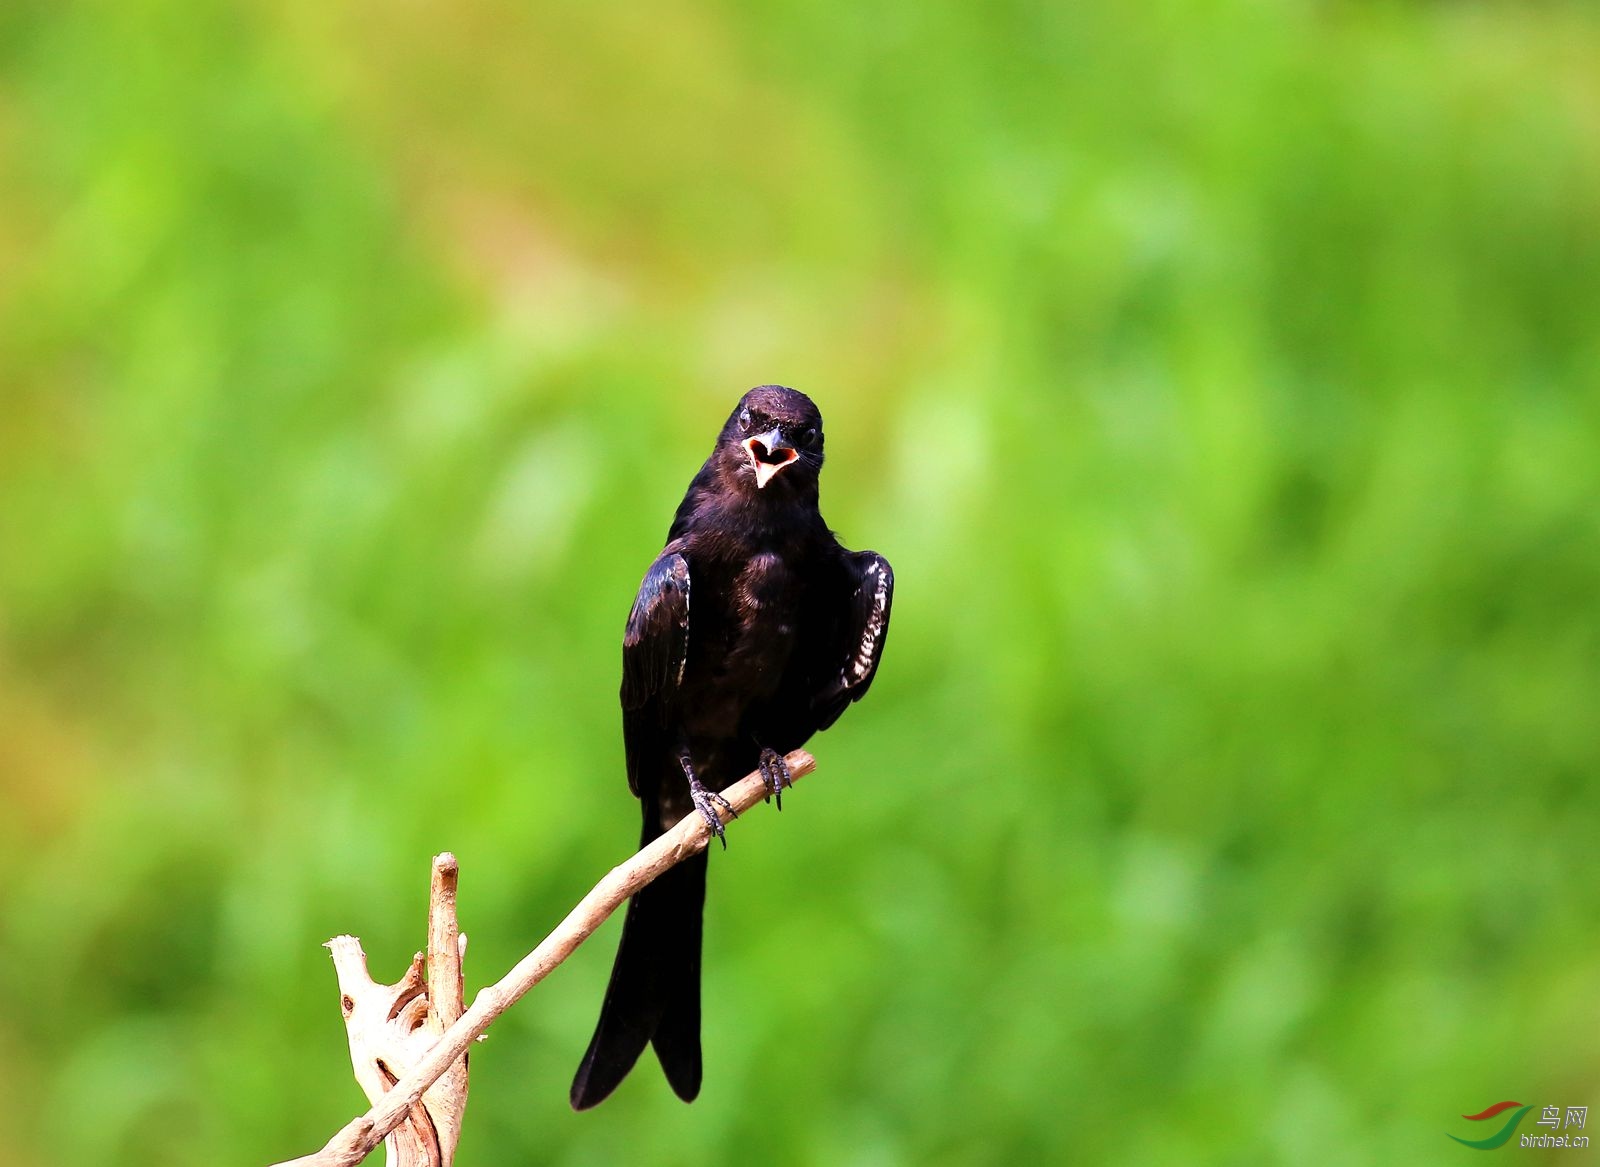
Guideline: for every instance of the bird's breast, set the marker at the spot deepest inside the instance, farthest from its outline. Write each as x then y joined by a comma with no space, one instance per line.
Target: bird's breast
765,593
740,651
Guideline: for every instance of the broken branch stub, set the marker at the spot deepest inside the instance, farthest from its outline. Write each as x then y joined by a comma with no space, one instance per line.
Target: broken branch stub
391,1028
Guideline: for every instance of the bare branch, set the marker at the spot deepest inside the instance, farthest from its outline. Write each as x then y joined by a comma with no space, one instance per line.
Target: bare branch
356,1140
445,1100
390,1028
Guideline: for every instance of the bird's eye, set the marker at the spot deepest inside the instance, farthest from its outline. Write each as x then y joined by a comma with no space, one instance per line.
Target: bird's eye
744,420
808,437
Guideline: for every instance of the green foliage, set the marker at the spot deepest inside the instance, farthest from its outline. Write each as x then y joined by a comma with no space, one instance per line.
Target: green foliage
1220,380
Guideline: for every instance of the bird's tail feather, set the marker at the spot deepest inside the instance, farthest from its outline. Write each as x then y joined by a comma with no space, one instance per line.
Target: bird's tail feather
654,993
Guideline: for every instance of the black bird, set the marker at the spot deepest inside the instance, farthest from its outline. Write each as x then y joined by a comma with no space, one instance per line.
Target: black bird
752,630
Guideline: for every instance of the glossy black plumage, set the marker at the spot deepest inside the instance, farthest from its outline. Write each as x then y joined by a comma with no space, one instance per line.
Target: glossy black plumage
753,629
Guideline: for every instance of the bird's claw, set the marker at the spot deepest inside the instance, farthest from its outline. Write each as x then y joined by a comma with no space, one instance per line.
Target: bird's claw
774,774
706,802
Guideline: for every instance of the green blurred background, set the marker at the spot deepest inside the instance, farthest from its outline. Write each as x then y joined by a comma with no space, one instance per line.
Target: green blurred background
1221,380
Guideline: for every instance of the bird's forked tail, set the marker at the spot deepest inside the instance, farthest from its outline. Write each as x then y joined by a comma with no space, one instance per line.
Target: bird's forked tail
654,993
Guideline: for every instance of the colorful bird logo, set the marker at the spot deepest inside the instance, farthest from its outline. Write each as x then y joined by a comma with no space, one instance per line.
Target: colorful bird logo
1498,1138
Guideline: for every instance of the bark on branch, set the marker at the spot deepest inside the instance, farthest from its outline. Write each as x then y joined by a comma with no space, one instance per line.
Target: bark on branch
429,1058
391,1028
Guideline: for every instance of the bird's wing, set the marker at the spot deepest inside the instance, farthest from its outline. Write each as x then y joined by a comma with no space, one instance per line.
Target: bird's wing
654,651
864,626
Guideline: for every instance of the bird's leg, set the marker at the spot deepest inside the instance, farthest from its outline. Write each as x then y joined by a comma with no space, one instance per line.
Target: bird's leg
706,801
774,773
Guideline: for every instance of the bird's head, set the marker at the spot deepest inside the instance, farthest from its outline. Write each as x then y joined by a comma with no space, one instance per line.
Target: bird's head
773,441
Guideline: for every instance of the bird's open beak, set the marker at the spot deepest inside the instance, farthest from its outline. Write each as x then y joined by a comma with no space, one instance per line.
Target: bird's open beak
769,453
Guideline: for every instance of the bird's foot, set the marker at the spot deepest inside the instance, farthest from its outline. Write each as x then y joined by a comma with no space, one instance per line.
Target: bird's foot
706,802
774,774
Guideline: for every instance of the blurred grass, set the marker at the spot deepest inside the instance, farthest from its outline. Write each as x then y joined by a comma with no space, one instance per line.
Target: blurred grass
1220,379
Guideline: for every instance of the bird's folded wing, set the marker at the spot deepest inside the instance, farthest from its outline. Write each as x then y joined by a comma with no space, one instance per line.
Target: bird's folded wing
863,632
654,649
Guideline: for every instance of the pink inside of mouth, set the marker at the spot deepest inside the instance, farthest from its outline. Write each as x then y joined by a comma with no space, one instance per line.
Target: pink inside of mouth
767,462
